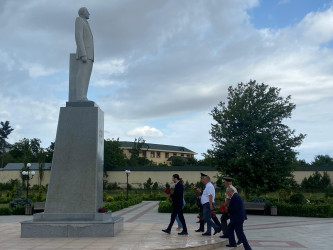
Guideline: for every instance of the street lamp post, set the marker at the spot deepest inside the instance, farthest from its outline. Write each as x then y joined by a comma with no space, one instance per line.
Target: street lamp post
27,174
127,174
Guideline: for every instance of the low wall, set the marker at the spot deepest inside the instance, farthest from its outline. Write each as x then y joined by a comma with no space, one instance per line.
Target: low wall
140,175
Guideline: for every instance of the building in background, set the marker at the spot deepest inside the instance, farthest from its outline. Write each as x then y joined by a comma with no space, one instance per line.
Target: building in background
158,153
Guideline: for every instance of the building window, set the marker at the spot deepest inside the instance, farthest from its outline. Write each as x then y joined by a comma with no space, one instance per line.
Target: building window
158,154
152,154
166,155
188,156
130,151
174,154
144,154
182,155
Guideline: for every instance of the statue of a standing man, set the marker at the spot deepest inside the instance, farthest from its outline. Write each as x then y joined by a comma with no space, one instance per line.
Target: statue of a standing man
84,53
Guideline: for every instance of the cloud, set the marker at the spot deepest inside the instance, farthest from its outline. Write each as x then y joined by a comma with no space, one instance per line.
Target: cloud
145,131
160,60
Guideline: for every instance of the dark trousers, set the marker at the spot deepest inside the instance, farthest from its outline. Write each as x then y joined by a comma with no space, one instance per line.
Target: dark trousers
238,228
224,223
177,211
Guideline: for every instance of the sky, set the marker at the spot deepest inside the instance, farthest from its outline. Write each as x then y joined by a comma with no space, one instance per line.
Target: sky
161,66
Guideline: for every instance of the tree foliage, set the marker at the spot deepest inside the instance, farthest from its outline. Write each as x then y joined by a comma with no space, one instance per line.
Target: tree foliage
316,182
113,154
135,152
322,160
250,141
28,150
5,130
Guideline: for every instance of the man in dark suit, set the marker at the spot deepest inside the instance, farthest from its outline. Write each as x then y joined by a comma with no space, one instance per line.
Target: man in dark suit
177,201
237,217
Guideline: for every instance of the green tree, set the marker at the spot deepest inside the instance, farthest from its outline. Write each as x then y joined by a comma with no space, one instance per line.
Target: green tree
113,154
148,184
177,161
5,130
28,150
49,152
250,142
135,152
322,160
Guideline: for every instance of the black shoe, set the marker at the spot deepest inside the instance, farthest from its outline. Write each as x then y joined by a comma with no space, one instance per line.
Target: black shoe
217,231
224,236
166,231
230,245
183,233
206,234
199,230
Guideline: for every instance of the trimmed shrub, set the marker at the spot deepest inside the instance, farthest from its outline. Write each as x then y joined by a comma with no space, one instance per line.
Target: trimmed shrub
21,202
190,198
297,199
306,210
118,205
18,210
165,207
5,211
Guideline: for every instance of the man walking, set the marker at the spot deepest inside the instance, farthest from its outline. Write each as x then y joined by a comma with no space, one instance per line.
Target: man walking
207,201
237,217
225,215
177,201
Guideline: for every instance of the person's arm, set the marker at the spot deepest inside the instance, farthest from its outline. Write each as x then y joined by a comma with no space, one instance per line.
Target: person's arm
211,202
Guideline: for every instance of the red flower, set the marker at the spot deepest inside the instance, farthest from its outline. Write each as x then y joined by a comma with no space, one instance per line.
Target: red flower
167,191
101,210
213,213
223,208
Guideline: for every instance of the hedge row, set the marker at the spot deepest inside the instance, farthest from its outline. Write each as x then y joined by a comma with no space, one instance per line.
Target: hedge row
19,210
166,207
118,205
306,210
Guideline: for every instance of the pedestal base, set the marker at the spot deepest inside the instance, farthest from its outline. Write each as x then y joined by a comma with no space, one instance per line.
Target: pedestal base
52,229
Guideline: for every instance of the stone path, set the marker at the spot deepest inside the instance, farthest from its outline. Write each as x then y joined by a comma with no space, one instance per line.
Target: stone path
143,224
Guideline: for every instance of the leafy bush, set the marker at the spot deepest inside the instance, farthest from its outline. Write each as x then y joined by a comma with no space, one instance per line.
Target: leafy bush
118,205
191,209
5,211
21,202
18,210
190,198
306,210
148,184
297,199
165,207
155,186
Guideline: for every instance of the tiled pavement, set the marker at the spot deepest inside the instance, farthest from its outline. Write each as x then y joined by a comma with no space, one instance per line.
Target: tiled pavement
143,224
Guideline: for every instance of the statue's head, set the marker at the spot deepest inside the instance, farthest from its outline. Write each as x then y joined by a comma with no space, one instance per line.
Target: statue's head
83,12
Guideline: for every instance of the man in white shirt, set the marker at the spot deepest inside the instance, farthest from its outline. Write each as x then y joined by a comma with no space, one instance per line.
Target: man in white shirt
207,201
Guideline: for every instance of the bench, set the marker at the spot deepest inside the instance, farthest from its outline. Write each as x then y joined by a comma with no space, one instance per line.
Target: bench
256,206
39,207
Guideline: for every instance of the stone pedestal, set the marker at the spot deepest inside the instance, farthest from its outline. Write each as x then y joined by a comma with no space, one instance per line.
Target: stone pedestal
75,191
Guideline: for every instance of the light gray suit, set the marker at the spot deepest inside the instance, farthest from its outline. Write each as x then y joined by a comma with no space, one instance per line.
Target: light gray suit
84,56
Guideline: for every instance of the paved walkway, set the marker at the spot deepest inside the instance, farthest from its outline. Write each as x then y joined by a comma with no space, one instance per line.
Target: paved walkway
143,224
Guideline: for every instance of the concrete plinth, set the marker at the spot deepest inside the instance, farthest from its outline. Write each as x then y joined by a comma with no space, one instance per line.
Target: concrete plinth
52,229
75,191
